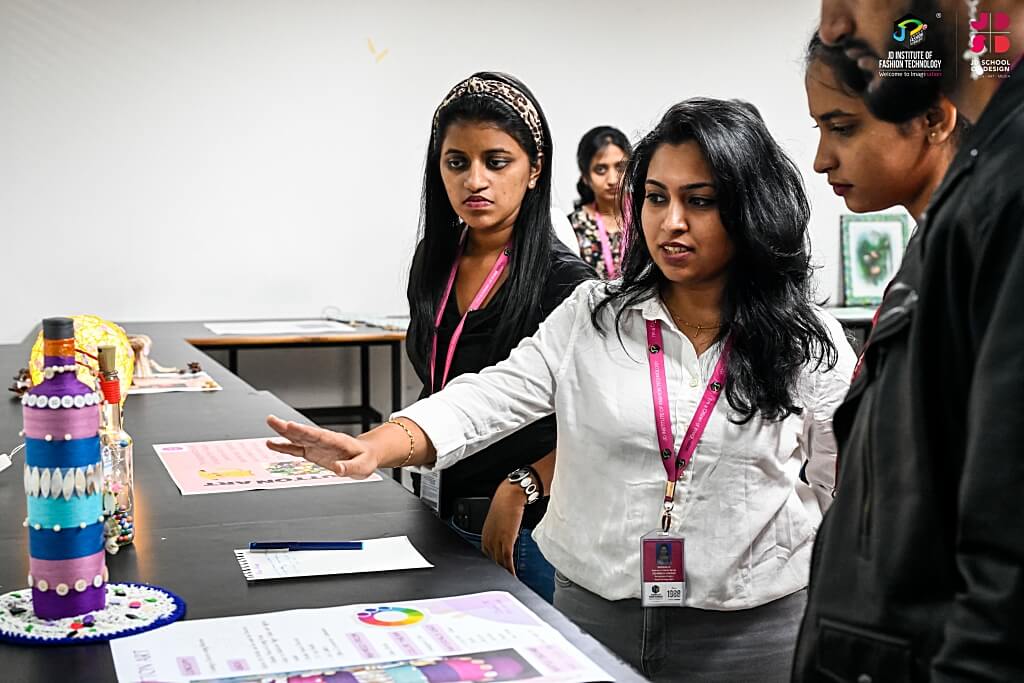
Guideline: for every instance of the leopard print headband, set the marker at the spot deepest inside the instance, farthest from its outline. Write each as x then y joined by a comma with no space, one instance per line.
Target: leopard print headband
504,92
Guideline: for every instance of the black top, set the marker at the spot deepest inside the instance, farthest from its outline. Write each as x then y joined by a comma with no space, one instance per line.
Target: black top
480,474
918,570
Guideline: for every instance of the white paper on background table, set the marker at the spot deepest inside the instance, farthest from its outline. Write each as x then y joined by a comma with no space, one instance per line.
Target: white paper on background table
398,323
852,313
241,465
170,382
387,323
475,635
280,327
377,555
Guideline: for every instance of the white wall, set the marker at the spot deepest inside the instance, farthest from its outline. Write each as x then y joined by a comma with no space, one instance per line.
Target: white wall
198,159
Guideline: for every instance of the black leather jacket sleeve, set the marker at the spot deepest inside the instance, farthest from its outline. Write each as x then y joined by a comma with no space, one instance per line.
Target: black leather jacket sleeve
984,632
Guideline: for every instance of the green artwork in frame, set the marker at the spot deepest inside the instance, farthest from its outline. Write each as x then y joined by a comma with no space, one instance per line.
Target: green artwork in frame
872,248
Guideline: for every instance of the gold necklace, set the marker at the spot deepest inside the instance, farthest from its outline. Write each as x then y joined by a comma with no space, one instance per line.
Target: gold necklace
699,327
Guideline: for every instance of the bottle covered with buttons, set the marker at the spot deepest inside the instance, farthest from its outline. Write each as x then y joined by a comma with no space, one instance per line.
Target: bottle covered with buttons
63,484
118,467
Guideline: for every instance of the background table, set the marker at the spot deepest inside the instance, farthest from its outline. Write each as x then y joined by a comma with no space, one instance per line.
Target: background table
185,544
363,338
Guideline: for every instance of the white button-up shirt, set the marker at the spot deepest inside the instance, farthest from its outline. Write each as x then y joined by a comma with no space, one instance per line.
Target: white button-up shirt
747,519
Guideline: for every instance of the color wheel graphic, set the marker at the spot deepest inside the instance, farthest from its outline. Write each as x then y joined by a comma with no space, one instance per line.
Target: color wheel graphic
390,616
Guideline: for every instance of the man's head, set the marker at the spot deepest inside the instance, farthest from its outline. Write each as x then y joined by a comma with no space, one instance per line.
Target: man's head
868,30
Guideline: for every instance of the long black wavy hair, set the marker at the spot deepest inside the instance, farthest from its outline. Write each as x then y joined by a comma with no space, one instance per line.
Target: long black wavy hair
440,228
767,304
592,142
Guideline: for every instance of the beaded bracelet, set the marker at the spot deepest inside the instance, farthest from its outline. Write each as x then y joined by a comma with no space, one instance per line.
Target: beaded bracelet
412,441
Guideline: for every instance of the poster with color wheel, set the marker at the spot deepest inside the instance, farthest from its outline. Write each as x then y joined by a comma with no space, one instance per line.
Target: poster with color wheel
480,637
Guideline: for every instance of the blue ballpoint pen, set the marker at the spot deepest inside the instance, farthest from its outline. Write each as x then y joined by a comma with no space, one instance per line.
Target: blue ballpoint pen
292,546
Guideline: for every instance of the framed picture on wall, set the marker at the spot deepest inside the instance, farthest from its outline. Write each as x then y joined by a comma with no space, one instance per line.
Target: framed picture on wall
872,250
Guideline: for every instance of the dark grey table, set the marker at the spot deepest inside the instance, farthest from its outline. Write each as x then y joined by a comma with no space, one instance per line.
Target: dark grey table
185,544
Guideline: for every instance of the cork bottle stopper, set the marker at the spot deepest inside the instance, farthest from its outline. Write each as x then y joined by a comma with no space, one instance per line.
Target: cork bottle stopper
108,358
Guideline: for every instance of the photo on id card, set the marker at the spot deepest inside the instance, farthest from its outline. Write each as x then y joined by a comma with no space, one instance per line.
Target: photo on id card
663,581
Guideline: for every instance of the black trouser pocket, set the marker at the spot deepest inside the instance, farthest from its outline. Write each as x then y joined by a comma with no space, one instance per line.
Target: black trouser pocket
860,655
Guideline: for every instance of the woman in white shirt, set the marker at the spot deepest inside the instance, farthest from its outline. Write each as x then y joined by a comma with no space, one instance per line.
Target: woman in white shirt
723,264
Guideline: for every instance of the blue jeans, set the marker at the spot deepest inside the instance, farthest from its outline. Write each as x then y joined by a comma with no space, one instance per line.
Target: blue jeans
531,567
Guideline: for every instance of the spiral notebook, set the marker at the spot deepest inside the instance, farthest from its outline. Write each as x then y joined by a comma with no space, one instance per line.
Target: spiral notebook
377,555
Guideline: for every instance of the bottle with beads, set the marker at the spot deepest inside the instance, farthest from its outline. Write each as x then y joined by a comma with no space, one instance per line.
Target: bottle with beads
116,445
63,483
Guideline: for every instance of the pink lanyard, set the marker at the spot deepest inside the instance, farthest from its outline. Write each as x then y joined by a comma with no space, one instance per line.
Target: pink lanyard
606,247
674,467
478,301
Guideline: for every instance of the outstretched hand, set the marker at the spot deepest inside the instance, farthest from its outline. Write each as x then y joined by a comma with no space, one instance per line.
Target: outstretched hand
340,453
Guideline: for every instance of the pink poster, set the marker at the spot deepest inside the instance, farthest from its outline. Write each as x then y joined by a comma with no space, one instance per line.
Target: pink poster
240,465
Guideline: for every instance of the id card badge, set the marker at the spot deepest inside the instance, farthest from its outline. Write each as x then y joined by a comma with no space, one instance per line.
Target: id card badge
663,583
430,488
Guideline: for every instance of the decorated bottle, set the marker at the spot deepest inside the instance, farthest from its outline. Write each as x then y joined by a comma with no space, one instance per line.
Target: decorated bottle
118,468
63,484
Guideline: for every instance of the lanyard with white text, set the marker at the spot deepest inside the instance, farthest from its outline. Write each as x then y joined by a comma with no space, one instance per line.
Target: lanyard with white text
485,289
606,247
675,466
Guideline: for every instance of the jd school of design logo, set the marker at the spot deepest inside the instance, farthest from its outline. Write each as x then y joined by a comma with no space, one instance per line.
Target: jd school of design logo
990,32
909,30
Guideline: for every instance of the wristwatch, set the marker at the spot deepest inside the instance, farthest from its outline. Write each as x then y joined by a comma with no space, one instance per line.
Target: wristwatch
529,481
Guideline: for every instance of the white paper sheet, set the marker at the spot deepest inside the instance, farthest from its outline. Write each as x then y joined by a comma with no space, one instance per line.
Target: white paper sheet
280,327
411,640
170,382
377,555
852,313
387,323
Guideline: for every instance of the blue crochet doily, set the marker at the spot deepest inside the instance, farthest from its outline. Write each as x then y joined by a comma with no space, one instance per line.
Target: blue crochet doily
131,608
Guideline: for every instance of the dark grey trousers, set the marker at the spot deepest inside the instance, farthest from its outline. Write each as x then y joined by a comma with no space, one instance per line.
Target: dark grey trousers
687,644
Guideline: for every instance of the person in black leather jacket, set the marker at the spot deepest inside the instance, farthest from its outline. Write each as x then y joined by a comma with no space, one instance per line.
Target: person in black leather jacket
918,569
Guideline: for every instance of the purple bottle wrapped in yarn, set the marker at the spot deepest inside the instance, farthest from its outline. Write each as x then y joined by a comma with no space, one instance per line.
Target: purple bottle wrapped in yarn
64,484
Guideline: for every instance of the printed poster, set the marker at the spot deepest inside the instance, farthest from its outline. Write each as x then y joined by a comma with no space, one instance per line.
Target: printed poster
240,465
480,637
